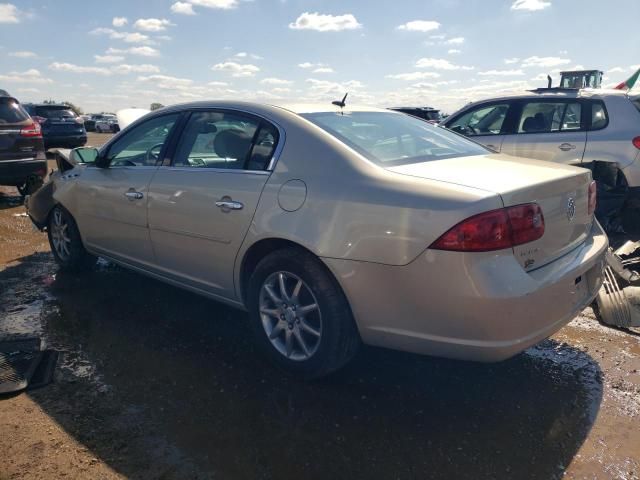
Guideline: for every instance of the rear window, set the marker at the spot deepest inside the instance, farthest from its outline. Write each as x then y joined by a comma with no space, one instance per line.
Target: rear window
391,139
55,112
11,111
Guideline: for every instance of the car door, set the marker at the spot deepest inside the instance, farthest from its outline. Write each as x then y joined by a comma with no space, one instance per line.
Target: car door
201,206
112,202
551,130
483,123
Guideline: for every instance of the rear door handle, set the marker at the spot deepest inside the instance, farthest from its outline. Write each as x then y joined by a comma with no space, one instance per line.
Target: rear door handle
133,195
565,147
226,205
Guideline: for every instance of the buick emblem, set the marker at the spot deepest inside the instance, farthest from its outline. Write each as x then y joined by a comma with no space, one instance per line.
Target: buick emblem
571,208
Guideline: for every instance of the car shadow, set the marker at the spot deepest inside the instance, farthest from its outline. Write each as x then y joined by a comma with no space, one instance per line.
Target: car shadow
158,382
10,198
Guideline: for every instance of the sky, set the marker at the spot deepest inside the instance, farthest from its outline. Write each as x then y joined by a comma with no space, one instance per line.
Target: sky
107,55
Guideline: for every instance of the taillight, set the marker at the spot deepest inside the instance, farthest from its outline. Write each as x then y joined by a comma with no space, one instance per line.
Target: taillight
38,119
494,230
636,142
593,198
31,130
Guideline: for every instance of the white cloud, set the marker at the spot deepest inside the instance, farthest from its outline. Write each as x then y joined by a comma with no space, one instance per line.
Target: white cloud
275,81
119,21
23,54
453,51
70,67
501,73
28,90
413,76
29,76
245,55
439,64
327,89
182,8
152,24
9,13
221,4
143,68
108,58
325,23
166,82
544,62
634,67
237,69
323,70
530,5
306,65
455,41
420,26
511,61
616,70
134,37
143,51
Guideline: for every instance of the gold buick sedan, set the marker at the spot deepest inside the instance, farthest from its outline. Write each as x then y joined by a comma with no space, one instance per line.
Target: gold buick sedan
334,227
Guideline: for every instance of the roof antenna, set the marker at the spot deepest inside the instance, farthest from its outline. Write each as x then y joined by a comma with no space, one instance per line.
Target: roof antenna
341,103
549,81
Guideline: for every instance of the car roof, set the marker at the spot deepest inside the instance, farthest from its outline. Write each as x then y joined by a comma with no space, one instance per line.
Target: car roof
50,105
297,108
557,93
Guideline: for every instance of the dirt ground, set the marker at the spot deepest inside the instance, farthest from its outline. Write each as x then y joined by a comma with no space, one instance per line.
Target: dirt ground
155,382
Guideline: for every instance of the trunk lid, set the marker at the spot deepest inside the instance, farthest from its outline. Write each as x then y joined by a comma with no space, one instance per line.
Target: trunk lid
561,191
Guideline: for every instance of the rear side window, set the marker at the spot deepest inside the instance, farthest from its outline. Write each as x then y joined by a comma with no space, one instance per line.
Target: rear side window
548,117
599,118
217,139
487,120
636,102
11,111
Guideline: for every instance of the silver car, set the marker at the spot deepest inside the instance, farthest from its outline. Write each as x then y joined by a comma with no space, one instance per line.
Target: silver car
334,227
569,126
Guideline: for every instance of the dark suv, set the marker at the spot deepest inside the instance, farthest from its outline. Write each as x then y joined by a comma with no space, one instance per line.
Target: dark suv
23,163
61,126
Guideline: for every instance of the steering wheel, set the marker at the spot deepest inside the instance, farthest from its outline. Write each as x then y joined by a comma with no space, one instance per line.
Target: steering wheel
151,155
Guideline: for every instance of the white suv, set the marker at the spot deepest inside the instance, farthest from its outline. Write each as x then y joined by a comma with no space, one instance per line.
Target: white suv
576,127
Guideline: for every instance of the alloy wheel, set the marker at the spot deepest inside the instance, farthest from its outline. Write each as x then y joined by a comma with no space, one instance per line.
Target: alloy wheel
290,316
60,235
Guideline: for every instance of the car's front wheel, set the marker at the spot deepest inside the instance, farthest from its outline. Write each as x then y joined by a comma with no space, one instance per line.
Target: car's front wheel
66,243
300,315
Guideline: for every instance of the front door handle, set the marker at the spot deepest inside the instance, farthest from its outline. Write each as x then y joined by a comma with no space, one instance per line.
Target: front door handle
565,147
227,204
133,195
492,147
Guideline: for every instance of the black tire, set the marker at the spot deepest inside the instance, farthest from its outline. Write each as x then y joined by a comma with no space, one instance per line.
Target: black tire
75,257
30,186
339,339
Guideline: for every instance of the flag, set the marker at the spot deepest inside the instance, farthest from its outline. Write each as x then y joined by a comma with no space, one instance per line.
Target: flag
630,82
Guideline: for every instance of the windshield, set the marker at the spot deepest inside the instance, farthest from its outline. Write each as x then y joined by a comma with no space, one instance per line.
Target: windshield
391,139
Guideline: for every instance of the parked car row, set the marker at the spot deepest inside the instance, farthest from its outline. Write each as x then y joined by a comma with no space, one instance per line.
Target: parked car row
101,123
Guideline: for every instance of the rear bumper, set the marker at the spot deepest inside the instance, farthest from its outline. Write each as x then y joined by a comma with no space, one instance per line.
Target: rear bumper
482,307
65,141
15,172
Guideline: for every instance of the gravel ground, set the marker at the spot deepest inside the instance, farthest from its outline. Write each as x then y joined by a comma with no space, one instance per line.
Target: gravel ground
155,382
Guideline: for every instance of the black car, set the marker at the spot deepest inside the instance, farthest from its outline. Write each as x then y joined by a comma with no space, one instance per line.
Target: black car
61,126
429,114
23,163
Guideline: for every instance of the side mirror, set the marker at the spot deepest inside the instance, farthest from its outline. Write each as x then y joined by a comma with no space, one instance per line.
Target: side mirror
84,155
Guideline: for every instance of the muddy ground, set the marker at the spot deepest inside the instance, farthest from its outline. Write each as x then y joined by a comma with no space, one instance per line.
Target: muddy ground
155,382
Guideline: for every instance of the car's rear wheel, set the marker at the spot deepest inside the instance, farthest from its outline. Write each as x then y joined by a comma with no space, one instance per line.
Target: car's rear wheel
299,314
30,186
66,243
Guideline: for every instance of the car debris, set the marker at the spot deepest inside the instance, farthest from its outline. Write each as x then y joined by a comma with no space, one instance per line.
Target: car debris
618,302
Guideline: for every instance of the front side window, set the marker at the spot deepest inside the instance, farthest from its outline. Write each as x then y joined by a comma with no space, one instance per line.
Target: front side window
548,117
229,140
485,120
391,139
141,146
